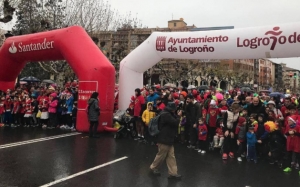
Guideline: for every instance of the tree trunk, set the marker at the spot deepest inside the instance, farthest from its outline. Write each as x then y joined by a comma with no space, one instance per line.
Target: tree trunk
60,78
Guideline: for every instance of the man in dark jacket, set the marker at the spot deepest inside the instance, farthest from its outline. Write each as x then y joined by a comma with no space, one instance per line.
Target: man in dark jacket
192,115
256,107
168,126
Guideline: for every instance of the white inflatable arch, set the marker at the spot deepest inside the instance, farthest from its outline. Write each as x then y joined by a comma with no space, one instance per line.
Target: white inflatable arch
278,41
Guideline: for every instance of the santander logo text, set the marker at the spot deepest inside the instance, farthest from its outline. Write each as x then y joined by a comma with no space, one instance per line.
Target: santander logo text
272,38
33,46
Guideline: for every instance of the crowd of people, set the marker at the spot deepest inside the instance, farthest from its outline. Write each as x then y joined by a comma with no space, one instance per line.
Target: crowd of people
40,105
243,125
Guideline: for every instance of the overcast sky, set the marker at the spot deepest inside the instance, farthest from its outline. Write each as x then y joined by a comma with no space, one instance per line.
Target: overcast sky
209,13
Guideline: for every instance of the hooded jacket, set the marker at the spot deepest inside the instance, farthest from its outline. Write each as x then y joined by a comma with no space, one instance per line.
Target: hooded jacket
94,110
53,104
240,130
148,115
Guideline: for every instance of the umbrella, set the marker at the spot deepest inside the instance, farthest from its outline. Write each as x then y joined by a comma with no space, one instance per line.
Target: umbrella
265,91
246,89
30,79
191,87
49,81
276,94
203,87
23,82
170,85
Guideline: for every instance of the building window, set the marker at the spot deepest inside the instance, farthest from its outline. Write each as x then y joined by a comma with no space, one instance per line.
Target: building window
174,24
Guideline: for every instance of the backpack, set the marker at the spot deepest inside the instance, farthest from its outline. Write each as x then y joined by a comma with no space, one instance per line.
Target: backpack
153,126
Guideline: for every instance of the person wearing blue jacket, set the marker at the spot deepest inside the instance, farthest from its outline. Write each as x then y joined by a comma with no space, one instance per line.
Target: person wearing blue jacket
152,97
251,142
69,106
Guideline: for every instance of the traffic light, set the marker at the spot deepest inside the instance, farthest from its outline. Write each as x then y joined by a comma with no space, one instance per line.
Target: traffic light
295,75
291,75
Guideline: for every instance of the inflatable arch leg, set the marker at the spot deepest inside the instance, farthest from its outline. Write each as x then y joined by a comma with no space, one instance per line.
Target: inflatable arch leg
73,44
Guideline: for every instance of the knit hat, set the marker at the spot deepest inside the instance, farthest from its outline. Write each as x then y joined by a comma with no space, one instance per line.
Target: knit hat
53,95
213,102
184,94
241,120
293,118
176,95
171,106
272,103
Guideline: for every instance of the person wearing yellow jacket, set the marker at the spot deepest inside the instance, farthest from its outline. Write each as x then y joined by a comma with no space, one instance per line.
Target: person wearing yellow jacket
148,114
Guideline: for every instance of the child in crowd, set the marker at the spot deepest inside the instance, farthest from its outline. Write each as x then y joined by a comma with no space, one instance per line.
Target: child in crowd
262,135
147,115
181,125
202,135
218,138
253,122
211,119
240,132
251,142
293,139
276,142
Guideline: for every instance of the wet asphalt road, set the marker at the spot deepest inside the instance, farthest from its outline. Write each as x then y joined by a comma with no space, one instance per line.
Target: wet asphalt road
39,163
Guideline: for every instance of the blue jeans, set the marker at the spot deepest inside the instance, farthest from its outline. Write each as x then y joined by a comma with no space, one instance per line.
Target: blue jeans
251,152
8,118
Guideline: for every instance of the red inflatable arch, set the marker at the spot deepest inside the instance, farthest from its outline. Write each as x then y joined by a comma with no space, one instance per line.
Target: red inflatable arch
73,44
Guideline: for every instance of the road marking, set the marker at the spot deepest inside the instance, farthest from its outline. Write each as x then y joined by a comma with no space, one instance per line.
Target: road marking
37,140
84,172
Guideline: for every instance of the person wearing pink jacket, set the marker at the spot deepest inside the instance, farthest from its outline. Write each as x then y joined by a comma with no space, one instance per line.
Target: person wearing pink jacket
53,103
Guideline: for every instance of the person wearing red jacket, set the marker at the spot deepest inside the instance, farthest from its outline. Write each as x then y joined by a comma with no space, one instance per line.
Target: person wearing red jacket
138,110
202,136
293,142
240,132
15,111
2,111
21,113
8,106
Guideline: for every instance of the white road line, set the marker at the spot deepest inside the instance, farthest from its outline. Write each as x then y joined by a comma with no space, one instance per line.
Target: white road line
84,172
37,140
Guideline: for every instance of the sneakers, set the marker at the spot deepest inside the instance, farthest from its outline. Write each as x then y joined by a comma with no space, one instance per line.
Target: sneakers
243,155
178,177
199,151
287,170
63,126
239,159
203,152
155,172
216,146
137,138
67,127
231,155
224,157
191,147
297,166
